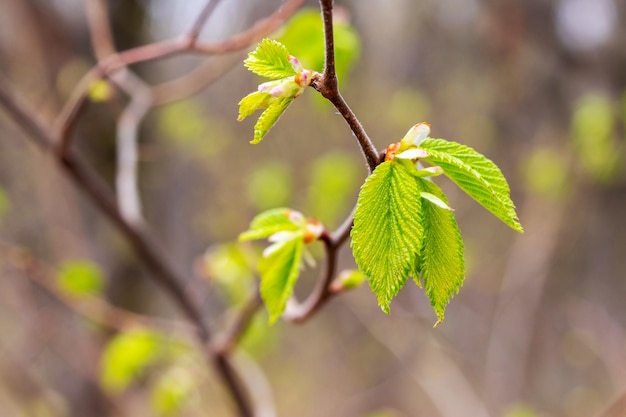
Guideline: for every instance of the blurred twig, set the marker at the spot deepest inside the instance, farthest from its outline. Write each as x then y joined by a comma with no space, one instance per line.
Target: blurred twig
162,271
518,303
185,43
90,307
435,372
128,123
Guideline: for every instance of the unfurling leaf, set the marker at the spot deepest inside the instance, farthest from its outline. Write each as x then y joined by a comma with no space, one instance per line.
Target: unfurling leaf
387,232
253,102
279,272
273,221
435,200
270,60
479,177
269,117
441,261
288,231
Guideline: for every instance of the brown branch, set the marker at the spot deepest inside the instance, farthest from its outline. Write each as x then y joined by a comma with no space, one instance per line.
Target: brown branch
90,307
326,84
99,29
299,313
162,272
70,113
204,15
226,342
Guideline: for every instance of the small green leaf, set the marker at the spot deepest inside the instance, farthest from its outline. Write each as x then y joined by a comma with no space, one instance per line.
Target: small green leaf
441,262
479,177
387,232
269,117
273,221
126,355
80,278
253,102
270,60
172,391
435,200
279,272
348,280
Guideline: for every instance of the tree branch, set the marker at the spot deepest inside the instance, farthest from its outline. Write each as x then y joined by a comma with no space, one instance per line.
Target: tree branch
70,113
326,84
204,15
162,272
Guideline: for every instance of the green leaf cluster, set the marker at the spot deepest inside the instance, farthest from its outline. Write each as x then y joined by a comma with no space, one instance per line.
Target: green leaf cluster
279,267
272,60
403,225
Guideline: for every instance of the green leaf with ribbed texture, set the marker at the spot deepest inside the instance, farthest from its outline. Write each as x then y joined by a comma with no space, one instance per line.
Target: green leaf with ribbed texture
273,221
253,102
479,177
270,60
441,261
269,117
387,232
279,272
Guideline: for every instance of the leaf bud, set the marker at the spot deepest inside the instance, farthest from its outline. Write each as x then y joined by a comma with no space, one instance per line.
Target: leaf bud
417,134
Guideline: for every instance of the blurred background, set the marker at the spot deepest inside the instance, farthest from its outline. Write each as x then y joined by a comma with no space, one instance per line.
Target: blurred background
539,327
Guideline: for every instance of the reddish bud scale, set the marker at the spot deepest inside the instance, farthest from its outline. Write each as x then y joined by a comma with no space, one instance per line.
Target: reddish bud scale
391,150
313,231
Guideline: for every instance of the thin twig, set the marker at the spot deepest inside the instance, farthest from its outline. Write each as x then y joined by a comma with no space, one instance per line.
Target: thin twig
162,272
226,342
326,84
99,29
69,115
204,15
90,307
126,179
299,313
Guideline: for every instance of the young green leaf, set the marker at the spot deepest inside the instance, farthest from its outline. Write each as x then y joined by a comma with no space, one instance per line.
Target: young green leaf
387,232
279,271
270,60
253,102
435,200
269,117
273,221
126,355
479,177
441,260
